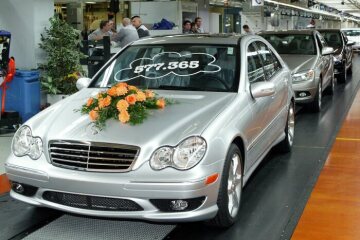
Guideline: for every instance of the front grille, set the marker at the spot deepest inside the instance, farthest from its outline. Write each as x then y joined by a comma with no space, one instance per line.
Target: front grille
93,156
91,202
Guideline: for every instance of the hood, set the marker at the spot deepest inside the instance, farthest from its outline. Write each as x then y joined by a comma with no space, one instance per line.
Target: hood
299,63
190,115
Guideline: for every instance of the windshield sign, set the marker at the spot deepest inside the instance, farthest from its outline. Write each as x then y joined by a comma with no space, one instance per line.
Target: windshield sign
186,67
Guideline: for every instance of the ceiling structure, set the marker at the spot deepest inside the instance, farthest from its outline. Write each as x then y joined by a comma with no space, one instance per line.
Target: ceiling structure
346,6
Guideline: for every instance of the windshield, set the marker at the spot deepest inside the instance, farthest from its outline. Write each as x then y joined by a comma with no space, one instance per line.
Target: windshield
292,44
175,67
333,39
352,33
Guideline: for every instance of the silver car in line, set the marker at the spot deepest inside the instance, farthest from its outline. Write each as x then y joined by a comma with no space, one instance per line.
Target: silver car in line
187,162
310,60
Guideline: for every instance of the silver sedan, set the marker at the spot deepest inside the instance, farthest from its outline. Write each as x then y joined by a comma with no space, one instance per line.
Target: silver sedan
310,60
187,162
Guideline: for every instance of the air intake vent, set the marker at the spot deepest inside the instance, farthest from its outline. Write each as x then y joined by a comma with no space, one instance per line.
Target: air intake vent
91,202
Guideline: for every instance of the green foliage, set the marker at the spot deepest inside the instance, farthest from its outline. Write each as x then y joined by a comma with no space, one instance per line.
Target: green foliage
61,43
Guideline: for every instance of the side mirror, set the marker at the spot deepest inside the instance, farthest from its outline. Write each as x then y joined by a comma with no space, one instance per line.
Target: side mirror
350,43
262,89
82,83
327,51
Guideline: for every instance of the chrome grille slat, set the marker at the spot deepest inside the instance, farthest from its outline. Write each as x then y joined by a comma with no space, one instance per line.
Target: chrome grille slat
92,156
108,164
69,161
69,155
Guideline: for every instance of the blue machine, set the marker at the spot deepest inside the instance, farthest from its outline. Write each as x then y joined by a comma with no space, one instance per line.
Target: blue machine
7,73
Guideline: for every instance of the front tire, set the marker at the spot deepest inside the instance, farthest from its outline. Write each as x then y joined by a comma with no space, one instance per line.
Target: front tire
331,88
315,105
342,76
286,144
230,189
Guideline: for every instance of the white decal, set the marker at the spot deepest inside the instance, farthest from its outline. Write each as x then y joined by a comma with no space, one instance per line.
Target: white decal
163,64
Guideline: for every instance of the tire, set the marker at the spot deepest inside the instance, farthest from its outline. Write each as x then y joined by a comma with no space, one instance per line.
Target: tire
350,68
285,145
331,88
315,105
342,76
231,184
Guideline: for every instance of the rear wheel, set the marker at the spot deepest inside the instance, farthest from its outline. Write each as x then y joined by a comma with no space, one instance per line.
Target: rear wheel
286,144
230,189
315,105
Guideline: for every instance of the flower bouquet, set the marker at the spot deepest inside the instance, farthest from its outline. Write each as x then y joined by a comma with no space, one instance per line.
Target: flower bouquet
122,102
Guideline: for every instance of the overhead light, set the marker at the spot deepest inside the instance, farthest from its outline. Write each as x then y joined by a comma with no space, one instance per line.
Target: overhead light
90,2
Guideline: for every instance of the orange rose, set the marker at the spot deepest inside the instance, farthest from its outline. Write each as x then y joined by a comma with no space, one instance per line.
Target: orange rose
131,99
94,115
89,102
120,91
104,102
140,96
149,94
133,88
124,116
112,92
122,84
122,105
161,103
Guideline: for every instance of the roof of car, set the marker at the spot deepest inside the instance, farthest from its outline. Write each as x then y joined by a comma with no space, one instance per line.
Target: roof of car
297,31
222,39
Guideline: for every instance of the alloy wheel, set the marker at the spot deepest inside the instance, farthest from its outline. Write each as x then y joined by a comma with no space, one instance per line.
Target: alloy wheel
291,125
234,185
319,94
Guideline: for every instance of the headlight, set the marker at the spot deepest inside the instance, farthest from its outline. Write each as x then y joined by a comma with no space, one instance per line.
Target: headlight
184,156
338,58
304,76
25,144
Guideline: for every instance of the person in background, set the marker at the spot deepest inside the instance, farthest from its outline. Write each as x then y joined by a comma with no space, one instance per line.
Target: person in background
187,27
140,28
311,24
99,33
112,24
126,34
247,30
198,23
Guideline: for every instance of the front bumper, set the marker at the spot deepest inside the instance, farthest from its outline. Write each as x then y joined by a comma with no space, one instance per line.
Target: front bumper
305,91
128,186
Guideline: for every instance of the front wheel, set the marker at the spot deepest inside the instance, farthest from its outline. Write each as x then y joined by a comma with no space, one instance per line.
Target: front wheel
331,88
342,76
230,189
315,105
286,144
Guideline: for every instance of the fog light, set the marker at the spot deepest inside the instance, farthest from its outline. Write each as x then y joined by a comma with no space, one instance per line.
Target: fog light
178,205
17,187
23,189
302,94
